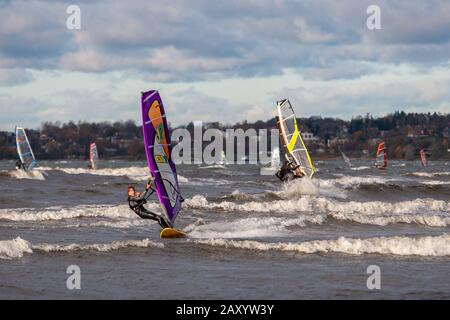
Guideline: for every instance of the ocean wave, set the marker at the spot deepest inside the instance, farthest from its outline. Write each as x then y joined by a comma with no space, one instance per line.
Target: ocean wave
435,246
371,183
11,249
360,168
435,183
60,213
387,219
399,165
321,204
354,182
213,166
103,247
209,182
121,224
16,248
428,212
249,227
428,174
134,173
237,195
35,174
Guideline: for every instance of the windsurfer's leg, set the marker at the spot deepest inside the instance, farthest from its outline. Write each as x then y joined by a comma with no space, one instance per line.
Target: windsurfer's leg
154,216
163,223
145,214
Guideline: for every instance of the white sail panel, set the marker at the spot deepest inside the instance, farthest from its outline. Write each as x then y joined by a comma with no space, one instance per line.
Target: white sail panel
24,150
292,139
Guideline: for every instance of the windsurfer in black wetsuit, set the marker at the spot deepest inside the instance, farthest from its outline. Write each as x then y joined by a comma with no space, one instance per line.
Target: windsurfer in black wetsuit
19,165
288,172
137,200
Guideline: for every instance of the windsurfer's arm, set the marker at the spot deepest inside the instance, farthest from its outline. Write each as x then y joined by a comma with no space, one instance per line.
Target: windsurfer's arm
143,196
148,192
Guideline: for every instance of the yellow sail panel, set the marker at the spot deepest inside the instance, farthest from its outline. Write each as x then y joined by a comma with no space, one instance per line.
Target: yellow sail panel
292,139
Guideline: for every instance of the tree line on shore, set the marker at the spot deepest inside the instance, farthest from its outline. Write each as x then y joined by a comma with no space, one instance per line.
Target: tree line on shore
404,133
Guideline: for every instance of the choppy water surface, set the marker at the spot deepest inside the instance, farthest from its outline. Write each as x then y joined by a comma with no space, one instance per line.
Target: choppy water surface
249,236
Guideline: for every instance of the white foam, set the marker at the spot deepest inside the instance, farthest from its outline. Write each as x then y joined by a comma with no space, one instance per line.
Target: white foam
16,248
214,166
360,168
323,205
435,183
11,249
386,219
30,175
134,173
299,187
399,165
104,247
429,174
351,182
437,246
249,227
121,224
428,212
60,213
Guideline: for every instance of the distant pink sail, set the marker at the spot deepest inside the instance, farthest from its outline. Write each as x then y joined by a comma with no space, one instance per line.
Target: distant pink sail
158,150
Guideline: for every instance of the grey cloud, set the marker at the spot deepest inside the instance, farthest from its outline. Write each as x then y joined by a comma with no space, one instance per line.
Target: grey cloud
184,40
12,77
348,98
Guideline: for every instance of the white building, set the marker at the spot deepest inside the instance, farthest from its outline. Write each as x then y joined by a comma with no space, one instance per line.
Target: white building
308,136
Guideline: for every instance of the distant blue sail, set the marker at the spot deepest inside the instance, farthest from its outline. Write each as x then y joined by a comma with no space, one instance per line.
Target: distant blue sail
24,150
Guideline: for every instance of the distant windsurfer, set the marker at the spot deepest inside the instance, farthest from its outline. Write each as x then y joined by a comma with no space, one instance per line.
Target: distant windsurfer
137,200
19,165
289,172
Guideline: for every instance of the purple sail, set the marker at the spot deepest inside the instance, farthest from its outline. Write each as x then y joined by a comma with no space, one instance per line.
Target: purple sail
159,157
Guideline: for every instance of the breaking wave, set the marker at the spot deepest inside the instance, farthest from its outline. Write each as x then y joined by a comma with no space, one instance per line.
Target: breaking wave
428,174
373,183
435,246
430,212
16,248
213,166
11,249
360,168
60,213
31,175
134,173
249,227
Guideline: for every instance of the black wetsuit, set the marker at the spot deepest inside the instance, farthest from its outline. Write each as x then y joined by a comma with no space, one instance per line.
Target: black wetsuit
19,165
287,172
137,205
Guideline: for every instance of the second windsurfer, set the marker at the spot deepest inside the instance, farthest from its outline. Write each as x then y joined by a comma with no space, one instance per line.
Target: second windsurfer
289,172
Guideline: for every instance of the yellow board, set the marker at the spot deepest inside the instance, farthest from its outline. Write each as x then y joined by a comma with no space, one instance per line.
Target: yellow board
169,233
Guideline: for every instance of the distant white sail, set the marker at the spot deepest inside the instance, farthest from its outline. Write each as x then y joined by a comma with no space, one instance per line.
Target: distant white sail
346,159
24,150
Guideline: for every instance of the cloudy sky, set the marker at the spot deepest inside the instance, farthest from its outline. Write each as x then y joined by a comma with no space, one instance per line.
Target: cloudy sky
222,61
